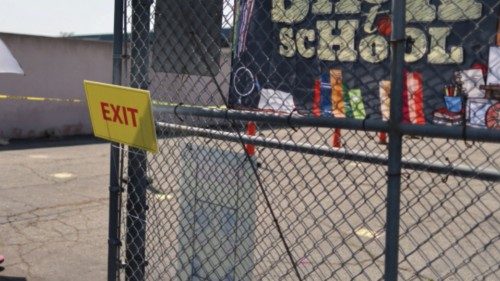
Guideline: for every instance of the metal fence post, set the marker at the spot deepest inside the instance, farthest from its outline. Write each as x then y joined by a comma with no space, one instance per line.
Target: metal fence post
114,163
395,140
137,159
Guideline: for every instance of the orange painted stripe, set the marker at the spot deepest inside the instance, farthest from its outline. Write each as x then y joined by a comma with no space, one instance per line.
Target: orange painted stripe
316,98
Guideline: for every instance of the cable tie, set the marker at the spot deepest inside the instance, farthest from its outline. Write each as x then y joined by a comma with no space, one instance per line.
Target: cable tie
363,124
175,112
393,174
445,179
289,120
116,189
114,242
398,40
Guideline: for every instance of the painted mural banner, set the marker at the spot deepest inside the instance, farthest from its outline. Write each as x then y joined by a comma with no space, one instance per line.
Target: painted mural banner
329,58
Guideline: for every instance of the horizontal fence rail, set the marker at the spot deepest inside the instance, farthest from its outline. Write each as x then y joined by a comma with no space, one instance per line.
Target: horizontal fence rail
372,125
340,153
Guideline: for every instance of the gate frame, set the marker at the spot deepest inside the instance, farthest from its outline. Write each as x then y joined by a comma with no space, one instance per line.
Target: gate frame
115,189
137,159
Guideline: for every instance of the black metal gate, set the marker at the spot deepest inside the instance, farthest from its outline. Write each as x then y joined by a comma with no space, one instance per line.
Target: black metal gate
281,157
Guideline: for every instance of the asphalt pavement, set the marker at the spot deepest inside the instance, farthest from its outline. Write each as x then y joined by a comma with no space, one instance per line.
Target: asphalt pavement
53,209
54,216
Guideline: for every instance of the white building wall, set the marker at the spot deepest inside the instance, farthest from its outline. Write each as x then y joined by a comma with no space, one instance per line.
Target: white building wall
54,68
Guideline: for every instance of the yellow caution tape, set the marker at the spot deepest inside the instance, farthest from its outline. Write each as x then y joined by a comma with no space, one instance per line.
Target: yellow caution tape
154,102
161,103
8,97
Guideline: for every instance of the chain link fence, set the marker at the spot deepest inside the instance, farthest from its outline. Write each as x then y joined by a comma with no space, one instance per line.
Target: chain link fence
310,140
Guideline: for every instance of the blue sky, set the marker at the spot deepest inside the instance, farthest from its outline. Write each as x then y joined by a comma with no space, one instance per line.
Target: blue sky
52,17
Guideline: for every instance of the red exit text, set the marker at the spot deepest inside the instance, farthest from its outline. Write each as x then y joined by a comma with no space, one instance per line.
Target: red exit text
119,114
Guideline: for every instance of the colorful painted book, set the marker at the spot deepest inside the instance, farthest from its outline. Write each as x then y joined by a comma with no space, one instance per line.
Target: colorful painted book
316,111
476,112
471,81
347,102
385,92
415,97
357,105
494,66
326,90
337,93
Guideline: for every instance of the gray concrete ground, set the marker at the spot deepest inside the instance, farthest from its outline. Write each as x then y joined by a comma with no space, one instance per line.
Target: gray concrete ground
53,210
53,213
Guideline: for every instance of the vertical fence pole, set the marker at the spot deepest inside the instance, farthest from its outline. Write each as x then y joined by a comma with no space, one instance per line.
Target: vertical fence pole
395,140
137,159
114,166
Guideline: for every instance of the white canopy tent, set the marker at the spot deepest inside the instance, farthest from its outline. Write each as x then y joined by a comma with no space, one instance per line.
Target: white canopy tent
8,64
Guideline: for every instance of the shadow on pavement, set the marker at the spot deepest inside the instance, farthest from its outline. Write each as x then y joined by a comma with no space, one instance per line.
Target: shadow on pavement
10,278
49,142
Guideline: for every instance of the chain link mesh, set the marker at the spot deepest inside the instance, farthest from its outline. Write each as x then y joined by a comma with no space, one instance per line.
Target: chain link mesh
310,202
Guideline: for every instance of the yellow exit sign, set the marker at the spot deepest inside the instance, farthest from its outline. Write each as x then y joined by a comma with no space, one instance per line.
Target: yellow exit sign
121,114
